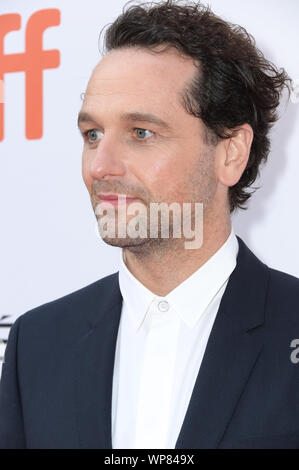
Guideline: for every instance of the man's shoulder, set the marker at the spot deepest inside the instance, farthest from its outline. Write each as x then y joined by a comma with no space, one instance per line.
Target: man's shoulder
283,282
281,285
71,308
278,291
283,297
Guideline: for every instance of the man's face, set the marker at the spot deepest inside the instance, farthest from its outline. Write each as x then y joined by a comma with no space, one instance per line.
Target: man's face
139,158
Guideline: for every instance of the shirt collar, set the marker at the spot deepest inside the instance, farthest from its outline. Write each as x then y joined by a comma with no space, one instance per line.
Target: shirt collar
192,296
135,295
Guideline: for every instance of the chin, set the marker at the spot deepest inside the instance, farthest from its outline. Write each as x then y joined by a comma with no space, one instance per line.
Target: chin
125,242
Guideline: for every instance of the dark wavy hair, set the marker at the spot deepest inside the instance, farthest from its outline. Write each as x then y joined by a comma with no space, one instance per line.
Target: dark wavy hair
234,83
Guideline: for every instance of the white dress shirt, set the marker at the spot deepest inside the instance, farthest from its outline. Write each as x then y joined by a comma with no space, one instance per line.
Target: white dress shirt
160,346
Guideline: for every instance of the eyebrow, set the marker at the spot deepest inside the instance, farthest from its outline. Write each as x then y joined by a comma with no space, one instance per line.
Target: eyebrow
133,116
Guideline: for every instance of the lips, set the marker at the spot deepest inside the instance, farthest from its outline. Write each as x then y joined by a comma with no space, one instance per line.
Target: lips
112,197
115,199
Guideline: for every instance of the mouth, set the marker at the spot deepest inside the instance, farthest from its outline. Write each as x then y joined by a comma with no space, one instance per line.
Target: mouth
115,199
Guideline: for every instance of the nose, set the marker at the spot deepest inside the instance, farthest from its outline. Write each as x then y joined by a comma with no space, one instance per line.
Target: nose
106,161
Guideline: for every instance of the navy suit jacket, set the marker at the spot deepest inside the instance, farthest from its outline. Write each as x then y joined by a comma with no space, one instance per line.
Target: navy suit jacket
56,384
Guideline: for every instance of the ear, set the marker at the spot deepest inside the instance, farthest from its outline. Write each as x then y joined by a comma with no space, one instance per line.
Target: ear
233,155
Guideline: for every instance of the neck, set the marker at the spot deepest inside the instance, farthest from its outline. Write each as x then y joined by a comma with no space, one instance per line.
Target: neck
161,268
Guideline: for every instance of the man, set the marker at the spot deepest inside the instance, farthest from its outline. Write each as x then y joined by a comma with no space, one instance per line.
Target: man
183,347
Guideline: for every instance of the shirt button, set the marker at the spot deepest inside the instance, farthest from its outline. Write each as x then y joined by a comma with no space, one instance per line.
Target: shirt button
163,306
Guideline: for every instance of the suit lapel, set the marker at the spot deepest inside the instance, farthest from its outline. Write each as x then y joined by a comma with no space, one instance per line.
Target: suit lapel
94,364
233,348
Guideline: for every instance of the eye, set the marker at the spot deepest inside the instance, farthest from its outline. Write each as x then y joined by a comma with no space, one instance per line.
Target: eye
91,135
140,132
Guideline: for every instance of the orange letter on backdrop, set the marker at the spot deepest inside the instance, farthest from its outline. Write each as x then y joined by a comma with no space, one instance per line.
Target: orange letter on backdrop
33,61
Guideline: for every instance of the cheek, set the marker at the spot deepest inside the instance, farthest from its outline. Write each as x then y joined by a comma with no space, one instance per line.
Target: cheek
162,175
155,173
85,173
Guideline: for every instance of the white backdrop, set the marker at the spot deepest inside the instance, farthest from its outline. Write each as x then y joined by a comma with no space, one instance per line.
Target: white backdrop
49,245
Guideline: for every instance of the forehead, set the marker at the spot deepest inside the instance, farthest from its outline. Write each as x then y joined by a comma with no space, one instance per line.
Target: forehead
134,76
